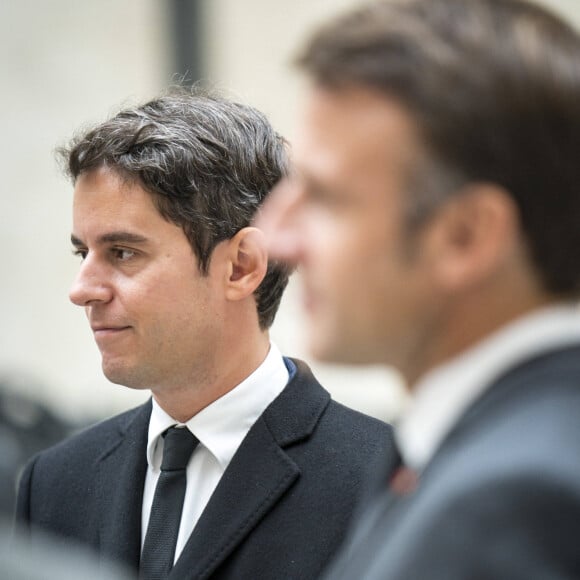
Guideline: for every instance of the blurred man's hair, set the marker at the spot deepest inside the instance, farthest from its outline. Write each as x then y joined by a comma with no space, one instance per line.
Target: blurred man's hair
207,162
494,89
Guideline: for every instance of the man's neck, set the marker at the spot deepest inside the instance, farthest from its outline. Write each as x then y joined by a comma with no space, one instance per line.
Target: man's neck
469,321
189,395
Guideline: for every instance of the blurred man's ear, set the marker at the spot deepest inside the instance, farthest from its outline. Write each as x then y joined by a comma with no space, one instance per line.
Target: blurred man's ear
473,238
247,263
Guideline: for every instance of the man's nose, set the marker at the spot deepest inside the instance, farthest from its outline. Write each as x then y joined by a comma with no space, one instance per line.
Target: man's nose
280,220
91,284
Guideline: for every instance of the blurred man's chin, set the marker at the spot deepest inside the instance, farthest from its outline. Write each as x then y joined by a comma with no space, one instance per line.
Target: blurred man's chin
329,351
345,352
320,351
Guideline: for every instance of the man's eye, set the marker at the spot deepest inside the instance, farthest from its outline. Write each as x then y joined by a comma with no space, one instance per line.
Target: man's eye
321,197
122,254
82,254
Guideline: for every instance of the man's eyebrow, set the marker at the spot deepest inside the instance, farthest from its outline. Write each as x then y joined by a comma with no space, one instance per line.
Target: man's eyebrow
75,241
309,180
112,238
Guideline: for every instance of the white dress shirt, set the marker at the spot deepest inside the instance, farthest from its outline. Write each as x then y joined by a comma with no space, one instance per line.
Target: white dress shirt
445,393
220,428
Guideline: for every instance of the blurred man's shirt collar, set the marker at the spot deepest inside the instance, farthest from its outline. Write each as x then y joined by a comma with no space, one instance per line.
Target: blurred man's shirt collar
445,393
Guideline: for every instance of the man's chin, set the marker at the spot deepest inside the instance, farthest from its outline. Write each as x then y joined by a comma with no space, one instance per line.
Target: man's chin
122,374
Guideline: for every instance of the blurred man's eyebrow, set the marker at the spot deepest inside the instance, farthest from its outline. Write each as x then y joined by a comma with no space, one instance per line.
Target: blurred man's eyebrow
75,241
113,238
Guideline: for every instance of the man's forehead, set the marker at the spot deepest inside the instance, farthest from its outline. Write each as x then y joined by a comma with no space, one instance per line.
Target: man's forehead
107,210
102,186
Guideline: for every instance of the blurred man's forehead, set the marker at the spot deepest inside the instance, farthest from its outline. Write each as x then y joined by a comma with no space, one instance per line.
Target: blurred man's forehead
350,131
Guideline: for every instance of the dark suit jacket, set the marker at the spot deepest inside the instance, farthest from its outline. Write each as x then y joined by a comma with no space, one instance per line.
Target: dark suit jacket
499,500
280,510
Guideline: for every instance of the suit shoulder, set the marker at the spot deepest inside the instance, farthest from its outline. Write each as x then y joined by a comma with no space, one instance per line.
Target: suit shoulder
305,407
348,419
304,389
361,439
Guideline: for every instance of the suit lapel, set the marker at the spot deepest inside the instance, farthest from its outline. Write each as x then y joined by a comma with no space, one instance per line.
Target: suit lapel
259,475
121,477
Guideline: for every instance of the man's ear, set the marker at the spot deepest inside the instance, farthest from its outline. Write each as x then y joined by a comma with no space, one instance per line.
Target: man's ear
247,263
474,237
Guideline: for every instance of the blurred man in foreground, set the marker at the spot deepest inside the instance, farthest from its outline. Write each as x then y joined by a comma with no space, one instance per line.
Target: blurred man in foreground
240,466
27,425
435,214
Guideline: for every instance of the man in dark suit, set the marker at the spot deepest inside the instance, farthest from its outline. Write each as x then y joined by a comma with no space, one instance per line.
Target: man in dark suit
240,466
435,212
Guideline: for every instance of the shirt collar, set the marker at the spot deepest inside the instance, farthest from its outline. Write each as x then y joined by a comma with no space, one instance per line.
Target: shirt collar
441,397
222,425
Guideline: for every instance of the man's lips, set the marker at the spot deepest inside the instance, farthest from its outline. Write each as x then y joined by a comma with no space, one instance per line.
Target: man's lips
101,331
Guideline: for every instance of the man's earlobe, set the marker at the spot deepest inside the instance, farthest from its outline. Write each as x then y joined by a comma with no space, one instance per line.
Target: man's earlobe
248,263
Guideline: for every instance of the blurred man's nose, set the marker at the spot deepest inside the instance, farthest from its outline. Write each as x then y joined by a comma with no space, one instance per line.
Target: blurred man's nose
90,285
280,221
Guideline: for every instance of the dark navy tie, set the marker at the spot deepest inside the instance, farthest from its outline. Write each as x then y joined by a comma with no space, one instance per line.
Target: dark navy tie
159,546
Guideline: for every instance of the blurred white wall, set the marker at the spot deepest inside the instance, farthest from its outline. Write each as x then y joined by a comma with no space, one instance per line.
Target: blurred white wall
65,64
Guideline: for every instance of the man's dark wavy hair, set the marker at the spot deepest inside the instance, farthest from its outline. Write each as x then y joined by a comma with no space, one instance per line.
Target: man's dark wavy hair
208,163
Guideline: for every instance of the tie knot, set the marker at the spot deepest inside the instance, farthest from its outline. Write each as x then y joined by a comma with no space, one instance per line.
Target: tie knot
179,443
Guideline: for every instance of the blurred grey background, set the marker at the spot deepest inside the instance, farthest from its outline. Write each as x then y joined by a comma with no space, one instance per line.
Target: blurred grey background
68,63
